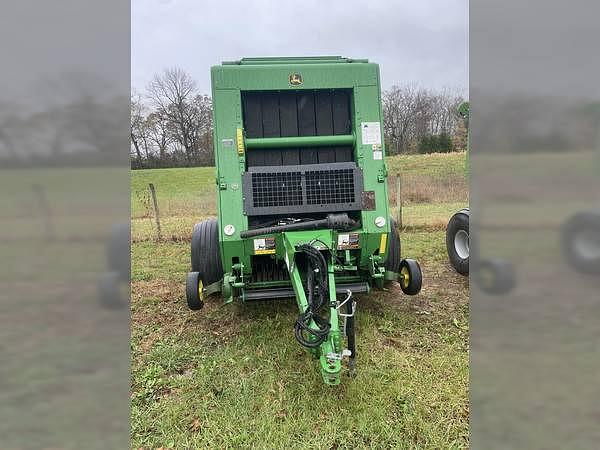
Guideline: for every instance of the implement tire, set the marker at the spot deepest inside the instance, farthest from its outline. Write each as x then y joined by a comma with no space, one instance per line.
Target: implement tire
206,256
457,241
411,277
194,291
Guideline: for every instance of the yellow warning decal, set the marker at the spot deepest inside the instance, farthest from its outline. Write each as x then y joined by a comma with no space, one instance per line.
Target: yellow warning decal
264,252
264,246
240,141
382,243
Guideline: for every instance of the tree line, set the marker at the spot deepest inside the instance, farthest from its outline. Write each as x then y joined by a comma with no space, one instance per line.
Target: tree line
171,122
171,125
419,120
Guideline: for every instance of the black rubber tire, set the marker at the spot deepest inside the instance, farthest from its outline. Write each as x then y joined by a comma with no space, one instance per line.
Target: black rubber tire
192,295
580,239
118,251
205,253
458,222
392,262
415,277
495,276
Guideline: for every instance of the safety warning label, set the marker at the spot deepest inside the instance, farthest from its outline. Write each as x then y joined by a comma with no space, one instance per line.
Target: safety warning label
347,241
371,133
264,246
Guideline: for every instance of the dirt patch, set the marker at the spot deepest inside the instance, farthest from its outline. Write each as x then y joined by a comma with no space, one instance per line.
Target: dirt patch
158,308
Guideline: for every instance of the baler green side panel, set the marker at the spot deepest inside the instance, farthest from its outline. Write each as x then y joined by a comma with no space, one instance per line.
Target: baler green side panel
230,166
374,170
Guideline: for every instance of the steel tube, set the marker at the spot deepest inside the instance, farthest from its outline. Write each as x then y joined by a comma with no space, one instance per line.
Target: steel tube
301,141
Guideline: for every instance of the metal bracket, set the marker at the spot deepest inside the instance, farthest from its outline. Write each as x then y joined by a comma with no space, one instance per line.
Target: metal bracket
345,316
212,288
339,305
338,356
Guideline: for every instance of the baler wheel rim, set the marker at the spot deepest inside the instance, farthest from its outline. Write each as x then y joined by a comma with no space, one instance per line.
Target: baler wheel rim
461,244
200,290
404,277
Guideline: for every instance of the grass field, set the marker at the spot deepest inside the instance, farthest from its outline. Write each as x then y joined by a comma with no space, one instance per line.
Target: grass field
234,377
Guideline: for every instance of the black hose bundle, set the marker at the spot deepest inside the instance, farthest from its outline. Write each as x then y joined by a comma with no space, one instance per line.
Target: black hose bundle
332,222
317,287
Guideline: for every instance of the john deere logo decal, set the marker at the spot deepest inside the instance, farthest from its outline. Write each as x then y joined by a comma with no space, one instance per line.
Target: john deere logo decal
295,79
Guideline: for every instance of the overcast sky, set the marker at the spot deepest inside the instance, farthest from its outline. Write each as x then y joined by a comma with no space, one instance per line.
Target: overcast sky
425,42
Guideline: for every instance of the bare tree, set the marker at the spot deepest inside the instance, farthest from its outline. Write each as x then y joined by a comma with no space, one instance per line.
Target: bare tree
412,114
203,138
398,114
172,93
159,135
136,120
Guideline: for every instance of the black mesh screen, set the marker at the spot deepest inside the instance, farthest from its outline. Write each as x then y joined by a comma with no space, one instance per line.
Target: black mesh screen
302,189
276,189
330,186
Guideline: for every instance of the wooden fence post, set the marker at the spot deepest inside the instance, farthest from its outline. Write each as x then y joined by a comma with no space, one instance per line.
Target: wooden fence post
399,200
156,213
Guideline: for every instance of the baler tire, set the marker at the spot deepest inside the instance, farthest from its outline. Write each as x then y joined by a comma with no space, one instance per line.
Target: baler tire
193,291
457,241
392,262
411,277
205,253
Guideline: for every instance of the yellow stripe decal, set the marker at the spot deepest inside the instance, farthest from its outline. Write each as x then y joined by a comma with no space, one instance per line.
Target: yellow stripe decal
240,141
383,243
265,252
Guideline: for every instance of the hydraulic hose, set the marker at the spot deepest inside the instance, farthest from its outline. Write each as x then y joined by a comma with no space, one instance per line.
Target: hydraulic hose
317,287
332,221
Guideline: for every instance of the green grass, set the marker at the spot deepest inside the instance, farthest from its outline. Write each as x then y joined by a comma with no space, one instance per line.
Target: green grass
436,165
179,191
233,376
